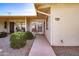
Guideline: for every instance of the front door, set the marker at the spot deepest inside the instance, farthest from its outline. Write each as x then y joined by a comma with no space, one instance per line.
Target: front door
11,27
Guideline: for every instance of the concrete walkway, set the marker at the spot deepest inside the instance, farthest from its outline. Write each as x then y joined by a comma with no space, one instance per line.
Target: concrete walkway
41,47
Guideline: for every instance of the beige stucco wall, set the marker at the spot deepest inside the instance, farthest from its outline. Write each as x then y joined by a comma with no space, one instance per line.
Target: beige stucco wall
67,29
2,26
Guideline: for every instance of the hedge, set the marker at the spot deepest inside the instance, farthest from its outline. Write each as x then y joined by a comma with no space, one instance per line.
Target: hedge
3,34
29,35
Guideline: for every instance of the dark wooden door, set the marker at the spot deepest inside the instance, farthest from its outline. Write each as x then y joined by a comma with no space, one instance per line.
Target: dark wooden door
11,27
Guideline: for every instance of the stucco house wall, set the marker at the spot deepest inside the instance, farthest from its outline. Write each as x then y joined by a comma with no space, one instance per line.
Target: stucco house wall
2,26
65,31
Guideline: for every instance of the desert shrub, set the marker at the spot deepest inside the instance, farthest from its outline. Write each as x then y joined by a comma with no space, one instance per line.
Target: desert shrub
18,40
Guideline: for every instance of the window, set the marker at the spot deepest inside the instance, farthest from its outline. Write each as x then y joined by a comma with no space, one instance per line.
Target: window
5,25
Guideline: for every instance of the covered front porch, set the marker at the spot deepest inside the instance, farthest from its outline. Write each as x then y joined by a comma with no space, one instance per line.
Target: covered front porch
11,24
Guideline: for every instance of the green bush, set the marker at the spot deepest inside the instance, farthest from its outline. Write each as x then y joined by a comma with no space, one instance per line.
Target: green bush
3,34
29,35
18,40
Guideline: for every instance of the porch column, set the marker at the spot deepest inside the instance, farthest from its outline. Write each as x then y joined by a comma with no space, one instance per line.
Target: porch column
51,32
25,24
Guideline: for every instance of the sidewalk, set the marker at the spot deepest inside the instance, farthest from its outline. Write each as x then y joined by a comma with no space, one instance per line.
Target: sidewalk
41,47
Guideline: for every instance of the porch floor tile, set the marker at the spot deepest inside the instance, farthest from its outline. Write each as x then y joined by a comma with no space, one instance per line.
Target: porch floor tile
41,47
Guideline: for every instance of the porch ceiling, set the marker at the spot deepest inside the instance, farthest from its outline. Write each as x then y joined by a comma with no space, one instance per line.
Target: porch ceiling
44,7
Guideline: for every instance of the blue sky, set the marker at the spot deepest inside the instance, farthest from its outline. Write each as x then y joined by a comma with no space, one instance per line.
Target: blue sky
17,9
